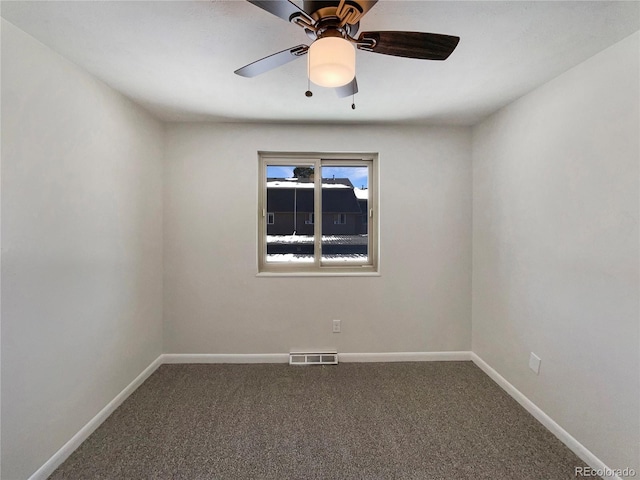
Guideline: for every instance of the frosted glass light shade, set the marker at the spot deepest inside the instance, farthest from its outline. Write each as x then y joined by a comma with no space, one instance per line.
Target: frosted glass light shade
332,62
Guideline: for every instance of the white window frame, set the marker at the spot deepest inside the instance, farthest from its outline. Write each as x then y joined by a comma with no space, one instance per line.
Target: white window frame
318,266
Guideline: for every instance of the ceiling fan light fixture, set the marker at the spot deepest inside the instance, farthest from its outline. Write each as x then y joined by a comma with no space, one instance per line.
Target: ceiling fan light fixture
332,62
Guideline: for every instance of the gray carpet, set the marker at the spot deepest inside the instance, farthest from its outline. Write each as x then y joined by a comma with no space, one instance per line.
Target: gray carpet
427,420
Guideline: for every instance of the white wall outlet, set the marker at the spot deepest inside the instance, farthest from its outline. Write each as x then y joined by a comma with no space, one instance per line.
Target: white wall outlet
336,326
534,363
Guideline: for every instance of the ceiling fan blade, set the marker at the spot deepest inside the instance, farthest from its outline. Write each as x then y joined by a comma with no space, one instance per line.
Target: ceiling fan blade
283,9
347,90
426,46
272,61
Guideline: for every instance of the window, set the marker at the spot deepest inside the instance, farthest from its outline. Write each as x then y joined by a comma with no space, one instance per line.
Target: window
340,190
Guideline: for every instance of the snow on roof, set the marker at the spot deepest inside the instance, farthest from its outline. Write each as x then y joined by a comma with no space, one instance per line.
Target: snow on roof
357,239
307,183
285,184
279,184
361,193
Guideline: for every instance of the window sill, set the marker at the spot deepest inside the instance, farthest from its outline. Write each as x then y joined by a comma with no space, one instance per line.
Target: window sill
318,274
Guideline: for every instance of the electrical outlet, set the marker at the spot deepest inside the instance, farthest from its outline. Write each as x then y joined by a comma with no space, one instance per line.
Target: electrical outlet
534,363
336,326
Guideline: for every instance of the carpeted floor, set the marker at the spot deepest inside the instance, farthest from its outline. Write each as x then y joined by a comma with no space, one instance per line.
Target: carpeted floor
427,420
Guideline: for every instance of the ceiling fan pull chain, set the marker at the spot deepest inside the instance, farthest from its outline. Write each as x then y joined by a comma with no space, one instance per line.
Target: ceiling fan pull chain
308,93
353,102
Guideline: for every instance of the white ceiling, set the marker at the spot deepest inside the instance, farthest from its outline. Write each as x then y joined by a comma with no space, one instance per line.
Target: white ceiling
177,58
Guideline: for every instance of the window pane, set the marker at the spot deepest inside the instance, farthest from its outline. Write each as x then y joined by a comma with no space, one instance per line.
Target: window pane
290,200
344,214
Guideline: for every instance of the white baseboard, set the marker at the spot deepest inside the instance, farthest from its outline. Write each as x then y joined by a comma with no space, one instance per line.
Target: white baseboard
565,437
225,358
405,357
68,448
342,357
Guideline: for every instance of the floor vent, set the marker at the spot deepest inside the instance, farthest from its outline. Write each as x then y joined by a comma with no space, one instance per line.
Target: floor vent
313,358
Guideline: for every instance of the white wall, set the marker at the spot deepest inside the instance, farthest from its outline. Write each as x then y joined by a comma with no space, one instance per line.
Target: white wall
214,303
555,249
81,249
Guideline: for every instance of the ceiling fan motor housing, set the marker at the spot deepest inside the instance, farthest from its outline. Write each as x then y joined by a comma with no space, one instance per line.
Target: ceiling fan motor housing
330,20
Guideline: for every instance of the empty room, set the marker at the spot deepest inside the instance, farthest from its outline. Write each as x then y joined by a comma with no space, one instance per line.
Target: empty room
347,239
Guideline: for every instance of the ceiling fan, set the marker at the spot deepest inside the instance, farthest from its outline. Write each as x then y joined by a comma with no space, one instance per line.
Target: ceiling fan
332,26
